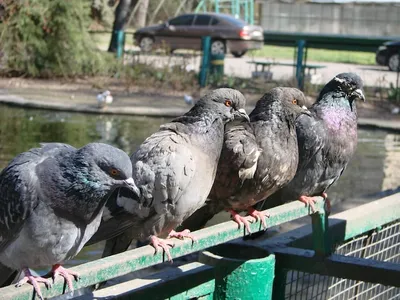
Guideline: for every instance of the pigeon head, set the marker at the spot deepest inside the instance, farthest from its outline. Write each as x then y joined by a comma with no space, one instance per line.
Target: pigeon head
83,180
229,103
289,101
108,164
349,84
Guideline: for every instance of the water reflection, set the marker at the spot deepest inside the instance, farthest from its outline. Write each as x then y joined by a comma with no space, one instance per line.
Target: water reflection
374,167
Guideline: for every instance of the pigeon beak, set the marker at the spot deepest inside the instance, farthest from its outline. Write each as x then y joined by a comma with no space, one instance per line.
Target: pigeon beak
130,184
359,94
241,114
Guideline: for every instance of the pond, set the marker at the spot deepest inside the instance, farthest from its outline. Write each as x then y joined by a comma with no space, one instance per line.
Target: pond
374,167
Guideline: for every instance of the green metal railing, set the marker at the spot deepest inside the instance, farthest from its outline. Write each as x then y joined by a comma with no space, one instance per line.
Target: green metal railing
298,255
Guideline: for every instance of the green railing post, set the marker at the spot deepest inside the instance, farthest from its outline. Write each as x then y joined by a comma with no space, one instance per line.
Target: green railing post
320,233
251,12
279,283
241,271
299,64
120,43
205,46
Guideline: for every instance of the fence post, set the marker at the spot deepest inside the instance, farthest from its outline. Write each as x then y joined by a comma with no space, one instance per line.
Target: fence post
241,271
205,62
217,65
299,64
120,43
320,233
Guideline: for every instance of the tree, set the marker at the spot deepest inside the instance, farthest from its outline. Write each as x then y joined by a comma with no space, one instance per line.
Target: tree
122,14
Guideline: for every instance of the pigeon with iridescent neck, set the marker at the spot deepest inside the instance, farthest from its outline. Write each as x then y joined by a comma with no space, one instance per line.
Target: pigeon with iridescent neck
327,140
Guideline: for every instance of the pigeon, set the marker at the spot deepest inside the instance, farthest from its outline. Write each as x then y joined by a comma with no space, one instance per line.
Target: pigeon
188,99
174,169
51,203
327,140
104,99
257,159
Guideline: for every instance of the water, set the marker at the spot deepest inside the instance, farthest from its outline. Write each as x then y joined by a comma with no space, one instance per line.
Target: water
374,167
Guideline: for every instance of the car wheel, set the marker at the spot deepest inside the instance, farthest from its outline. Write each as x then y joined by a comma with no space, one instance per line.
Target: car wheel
393,62
217,47
146,44
238,53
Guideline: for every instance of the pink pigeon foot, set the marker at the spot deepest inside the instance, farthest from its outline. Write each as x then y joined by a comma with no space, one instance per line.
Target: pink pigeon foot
259,216
241,220
34,280
181,234
165,245
67,274
310,201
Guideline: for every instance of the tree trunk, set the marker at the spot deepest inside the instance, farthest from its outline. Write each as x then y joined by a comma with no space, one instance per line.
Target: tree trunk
122,13
141,14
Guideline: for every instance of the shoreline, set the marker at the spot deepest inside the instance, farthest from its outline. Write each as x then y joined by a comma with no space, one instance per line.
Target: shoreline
150,111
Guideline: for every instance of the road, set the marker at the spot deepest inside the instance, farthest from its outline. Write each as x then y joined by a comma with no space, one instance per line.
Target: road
377,76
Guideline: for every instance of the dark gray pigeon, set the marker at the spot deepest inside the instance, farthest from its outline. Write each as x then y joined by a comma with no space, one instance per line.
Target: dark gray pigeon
327,140
174,169
52,200
257,158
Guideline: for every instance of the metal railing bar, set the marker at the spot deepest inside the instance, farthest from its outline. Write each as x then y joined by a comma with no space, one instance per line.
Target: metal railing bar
114,266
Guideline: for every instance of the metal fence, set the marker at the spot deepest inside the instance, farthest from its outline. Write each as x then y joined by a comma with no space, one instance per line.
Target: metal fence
382,244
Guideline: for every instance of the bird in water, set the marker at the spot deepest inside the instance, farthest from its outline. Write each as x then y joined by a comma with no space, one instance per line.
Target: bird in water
104,99
52,200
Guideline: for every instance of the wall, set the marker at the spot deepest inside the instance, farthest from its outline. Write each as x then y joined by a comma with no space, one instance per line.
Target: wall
348,19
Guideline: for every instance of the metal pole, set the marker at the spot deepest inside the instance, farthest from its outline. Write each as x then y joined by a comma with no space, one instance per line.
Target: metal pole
120,43
299,64
320,234
241,271
251,12
205,42
217,6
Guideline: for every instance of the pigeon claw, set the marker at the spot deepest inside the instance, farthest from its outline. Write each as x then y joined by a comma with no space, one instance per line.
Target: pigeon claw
66,274
182,234
241,220
165,245
259,216
34,280
309,201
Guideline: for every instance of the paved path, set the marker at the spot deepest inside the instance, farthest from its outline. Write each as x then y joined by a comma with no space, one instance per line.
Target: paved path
374,75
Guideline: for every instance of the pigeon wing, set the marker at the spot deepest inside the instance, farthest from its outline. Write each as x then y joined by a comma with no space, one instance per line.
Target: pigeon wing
19,189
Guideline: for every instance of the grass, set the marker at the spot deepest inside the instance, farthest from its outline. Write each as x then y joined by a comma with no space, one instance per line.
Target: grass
319,55
277,52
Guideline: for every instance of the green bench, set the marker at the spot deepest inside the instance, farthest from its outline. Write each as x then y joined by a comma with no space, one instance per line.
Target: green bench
263,68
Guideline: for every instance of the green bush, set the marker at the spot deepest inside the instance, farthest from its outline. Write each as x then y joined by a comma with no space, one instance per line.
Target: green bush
42,38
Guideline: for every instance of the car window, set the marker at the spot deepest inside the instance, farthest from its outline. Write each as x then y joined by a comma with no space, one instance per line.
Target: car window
235,21
214,21
202,20
182,20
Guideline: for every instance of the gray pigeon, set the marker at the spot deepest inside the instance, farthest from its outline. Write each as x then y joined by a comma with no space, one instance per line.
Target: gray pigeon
257,158
327,140
52,200
174,169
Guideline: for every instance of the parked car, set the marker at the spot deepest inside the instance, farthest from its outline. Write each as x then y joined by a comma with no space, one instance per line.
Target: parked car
185,31
388,55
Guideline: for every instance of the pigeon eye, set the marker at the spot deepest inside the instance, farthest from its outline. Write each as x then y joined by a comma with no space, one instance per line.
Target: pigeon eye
228,103
294,101
114,172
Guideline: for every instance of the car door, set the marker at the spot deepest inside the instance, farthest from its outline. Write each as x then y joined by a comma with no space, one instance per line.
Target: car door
175,34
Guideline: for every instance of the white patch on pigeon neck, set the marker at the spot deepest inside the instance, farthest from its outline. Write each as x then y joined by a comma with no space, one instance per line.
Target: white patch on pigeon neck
339,80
